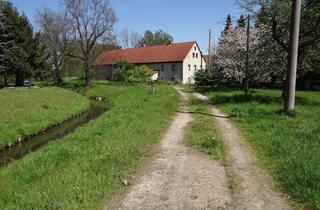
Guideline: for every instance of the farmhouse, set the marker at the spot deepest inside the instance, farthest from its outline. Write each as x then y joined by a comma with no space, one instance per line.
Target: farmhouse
172,62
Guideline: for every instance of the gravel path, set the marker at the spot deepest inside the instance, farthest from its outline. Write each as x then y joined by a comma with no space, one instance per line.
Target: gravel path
253,189
179,177
182,178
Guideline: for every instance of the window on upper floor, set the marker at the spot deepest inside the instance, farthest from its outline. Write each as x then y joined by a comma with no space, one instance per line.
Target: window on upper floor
189,67
196,55
195,48
173,67
162,67
193,55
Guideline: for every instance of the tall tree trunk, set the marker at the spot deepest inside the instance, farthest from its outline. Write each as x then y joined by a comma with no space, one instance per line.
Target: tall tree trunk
19,79
58,76
88,73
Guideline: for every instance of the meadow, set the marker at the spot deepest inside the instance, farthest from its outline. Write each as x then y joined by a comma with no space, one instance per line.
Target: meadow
84,168
288,146
25,111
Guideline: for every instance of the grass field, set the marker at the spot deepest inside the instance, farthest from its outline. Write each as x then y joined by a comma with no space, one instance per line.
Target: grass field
201,133
288,146
24,111
82,169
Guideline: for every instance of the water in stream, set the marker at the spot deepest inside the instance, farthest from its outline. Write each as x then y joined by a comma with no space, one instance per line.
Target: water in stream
33,143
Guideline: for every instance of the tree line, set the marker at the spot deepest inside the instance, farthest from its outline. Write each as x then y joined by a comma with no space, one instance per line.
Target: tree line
268,40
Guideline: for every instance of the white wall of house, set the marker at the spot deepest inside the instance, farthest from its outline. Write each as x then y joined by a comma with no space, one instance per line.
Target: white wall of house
191,64
168,71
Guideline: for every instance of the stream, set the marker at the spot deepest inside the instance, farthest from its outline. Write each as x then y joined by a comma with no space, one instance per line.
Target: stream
33,143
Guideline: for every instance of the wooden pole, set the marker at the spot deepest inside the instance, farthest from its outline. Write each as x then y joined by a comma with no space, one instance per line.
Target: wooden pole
209,51
246,88
293,57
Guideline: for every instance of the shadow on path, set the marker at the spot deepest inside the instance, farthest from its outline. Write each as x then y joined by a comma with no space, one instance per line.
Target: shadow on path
202,113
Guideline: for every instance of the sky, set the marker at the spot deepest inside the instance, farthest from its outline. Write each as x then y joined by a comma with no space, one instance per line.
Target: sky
185,20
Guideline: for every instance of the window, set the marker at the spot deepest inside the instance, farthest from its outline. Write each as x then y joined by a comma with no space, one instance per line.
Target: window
201,67
195,67
173,67
195,48
189,67
193,55
196,55
162,67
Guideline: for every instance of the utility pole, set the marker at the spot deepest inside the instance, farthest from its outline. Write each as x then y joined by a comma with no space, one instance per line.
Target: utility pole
293,57
246,88
209,51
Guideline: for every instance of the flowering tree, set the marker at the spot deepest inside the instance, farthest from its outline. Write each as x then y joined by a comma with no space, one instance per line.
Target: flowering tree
266,59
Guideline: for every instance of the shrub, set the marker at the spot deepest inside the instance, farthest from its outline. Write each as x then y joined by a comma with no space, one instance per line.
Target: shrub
131,73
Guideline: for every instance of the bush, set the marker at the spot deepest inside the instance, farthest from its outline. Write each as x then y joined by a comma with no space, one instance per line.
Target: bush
128,72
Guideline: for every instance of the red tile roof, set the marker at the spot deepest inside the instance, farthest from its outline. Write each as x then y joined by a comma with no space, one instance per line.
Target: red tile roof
150,54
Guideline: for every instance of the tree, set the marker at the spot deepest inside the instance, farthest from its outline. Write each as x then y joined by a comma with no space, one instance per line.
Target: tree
56,35
92,24
157,38
276,14
231,56
19,46
228,25
241,22
6,42
129,39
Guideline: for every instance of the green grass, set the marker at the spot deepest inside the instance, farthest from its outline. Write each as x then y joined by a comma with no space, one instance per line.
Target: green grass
88,166
25,111
288,146
201,133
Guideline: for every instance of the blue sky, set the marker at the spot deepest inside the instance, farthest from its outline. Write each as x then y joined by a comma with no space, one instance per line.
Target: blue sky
185,20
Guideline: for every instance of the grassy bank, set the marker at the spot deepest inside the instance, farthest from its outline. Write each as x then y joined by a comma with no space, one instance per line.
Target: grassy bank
24,111
201,133
82,169
289,147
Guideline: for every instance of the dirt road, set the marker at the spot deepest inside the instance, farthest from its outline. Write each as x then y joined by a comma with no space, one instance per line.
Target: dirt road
182,178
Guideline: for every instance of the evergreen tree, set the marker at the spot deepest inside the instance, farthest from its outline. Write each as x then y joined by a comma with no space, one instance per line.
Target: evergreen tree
228,24
241,22
262,17
18,45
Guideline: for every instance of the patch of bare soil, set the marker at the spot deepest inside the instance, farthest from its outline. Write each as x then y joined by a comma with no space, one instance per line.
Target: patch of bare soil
179,177
253,185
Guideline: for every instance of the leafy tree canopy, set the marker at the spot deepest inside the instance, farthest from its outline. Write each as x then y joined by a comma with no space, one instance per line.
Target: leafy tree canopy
159,37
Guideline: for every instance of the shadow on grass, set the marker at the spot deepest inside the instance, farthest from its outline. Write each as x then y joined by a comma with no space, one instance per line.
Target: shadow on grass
202,113
261,99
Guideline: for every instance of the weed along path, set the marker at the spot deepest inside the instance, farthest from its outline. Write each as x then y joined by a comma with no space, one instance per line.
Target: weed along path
178,177
252,184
